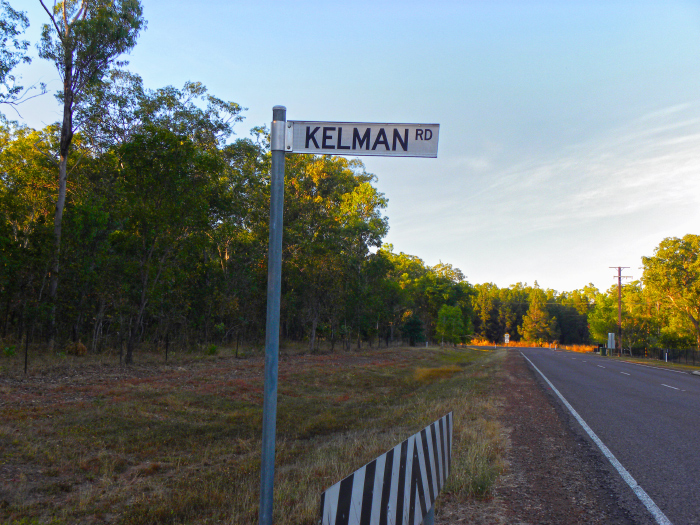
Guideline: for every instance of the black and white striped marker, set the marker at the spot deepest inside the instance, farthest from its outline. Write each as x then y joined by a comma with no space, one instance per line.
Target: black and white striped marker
399,487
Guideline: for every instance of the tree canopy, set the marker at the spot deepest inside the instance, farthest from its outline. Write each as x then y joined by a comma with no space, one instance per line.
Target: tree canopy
154,214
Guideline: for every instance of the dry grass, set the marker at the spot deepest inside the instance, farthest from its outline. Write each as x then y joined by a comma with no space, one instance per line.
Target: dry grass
433,374
532,344
83,440
579,348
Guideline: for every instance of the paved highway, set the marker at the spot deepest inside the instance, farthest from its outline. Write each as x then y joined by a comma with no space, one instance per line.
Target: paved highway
648,418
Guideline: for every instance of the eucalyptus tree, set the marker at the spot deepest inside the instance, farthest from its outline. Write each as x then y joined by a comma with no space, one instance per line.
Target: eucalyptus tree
82,39
672,276
13,51
332,219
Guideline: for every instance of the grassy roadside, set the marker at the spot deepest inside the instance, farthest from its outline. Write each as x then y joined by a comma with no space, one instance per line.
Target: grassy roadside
180,443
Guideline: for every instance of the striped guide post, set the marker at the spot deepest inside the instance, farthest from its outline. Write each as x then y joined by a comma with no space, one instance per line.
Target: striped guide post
399,487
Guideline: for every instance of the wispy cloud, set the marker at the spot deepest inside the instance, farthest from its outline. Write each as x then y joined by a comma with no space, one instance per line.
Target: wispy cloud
651,164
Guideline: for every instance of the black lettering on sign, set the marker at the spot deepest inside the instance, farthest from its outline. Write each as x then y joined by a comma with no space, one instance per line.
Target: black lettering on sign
404,142
428,134
356,139
327,135
340,139
419,134
381,139
310,135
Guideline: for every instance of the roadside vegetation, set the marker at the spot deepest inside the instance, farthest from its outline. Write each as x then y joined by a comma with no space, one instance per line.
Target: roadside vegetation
140,221
83,440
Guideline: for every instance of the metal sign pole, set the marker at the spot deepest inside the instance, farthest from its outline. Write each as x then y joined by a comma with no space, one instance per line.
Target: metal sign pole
272,330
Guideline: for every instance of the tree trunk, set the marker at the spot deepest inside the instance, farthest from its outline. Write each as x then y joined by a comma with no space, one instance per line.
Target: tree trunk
312,336
66,139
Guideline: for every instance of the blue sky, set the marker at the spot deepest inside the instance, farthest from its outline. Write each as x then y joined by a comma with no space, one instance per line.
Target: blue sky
570,130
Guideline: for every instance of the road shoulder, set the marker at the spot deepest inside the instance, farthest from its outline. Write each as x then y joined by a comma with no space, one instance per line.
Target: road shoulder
555,474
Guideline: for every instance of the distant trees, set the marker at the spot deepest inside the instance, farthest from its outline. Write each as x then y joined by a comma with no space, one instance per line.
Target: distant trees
450,326
538,324
155,218
672,280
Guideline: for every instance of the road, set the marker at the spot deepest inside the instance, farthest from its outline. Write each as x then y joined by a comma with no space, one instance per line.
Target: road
648,418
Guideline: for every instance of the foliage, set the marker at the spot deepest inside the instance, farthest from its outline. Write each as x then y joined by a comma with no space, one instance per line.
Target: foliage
164,240
13,51
538,325
450,325
672,277
83,40
413,329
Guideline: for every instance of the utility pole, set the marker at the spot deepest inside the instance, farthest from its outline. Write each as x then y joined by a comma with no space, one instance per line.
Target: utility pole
619,276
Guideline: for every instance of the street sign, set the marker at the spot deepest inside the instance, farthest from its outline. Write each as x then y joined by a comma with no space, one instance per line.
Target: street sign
333,138
361,139
507,338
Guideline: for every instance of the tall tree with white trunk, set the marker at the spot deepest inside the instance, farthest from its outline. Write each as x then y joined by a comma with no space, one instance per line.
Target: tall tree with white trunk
83,39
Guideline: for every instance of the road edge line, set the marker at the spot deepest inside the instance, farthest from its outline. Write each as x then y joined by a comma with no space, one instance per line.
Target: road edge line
652,507
658,368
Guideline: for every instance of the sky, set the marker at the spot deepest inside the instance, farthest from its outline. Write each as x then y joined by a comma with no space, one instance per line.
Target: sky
569,130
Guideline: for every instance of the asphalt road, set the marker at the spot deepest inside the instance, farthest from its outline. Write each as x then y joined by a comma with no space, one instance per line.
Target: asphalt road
649,419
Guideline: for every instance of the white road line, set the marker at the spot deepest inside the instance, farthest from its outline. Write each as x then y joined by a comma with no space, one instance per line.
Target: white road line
652,507
668,386
625,373
600,366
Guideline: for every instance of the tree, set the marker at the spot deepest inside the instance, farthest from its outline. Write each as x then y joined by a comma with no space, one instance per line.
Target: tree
25,189
538,324
672,276
412,328
84,38
13,51
450,325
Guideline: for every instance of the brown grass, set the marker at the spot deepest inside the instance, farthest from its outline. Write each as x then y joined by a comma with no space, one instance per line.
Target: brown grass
532,344
83,440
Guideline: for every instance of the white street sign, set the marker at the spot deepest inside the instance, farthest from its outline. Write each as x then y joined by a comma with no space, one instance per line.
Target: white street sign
507,338
357,138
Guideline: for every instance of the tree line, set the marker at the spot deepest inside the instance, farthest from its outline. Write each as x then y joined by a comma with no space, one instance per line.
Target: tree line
141,221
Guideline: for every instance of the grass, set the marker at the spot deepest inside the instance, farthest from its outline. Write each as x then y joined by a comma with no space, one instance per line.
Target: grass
88,441
534,344
653,361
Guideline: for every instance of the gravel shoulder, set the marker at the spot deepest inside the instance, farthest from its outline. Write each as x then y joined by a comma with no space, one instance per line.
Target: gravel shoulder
555,474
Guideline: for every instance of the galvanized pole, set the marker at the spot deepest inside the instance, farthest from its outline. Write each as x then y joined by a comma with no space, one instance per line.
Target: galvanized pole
272,330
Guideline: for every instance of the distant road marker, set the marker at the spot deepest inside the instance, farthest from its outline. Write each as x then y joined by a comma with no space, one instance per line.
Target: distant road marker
600,366
652,507
625,373
668,386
